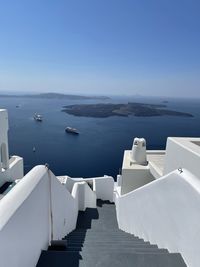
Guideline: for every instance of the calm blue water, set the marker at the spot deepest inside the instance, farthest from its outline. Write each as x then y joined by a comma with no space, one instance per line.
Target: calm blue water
98,150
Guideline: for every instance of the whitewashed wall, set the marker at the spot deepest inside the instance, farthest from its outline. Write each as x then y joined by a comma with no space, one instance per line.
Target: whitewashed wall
135,178
84,195
25,225
165,212
69,183
181,153
65,209
104,187
16,168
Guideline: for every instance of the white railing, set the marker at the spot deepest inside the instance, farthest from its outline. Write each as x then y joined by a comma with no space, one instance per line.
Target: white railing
165,212
37,210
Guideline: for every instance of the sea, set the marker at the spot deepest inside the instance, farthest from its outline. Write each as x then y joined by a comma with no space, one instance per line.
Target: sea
98,149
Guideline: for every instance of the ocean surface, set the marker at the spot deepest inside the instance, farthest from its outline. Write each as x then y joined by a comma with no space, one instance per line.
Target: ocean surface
99,148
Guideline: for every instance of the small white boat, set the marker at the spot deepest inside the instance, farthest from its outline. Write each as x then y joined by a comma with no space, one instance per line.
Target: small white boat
37,117
71,130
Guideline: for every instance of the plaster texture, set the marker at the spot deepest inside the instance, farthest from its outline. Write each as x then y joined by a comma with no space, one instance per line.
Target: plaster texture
165,212
37,210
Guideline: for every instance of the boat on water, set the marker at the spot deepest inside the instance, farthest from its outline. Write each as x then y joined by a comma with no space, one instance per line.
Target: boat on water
71,130
37,117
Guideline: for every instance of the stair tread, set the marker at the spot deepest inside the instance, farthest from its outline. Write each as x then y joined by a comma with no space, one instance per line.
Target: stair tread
97,241
82,259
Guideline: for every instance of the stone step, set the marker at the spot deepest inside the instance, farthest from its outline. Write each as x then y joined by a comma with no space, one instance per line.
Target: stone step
103,239
97,249
130,250
103,259
107,246
97,237
68,242
101,232
100,245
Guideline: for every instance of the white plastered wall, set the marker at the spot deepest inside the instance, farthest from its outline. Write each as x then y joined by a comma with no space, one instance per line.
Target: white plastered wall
182,153
25,226
165,212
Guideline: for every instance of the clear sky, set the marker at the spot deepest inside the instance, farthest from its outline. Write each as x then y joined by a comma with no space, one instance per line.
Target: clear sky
147,47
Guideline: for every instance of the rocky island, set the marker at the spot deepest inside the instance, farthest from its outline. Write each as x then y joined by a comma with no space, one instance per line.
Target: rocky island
56,96
135,109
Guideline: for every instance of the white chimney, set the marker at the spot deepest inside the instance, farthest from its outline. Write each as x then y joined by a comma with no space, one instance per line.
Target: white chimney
138,153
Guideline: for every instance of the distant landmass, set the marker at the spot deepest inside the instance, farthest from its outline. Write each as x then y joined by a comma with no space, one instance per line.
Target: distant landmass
58,96
135,109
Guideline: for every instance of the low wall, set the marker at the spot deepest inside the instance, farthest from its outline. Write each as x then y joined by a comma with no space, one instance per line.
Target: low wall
85,197
182,153
104,187
135,178
165,212
64,208
16,168
26,227
14,172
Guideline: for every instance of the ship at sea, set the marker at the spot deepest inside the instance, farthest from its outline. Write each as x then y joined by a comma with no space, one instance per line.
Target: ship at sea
71,130
38,117
147,216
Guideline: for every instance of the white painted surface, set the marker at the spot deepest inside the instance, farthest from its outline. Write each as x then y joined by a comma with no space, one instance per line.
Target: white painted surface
84,195
165,212
133,175
14,172
10,169
119,180
65,209
16,168
155,160
69,182
104,187
182,153
25,225
4,153
138,152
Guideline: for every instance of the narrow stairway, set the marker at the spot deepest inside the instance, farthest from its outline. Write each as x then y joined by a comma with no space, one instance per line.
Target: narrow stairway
97,241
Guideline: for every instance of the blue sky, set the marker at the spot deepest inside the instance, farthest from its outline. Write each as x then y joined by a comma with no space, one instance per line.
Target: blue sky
147,47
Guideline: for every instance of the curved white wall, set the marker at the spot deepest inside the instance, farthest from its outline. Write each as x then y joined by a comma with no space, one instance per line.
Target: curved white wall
165,212
25,224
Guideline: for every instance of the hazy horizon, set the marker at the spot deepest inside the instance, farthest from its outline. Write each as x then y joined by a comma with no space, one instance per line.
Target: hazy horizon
139,96
147,48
